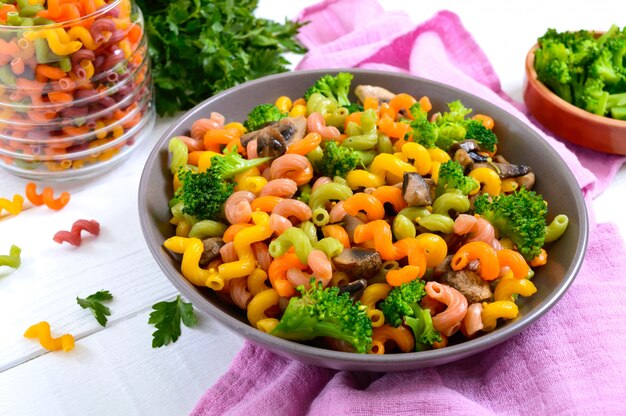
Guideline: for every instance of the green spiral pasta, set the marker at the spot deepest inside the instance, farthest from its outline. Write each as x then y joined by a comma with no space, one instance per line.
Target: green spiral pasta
179,152
207,228
292,237
437,222
333,114
384,144
315,155
320,217
177,212
327,192
367,156
368,137
450,200
403,227
556,228
330,246
310,230
13,259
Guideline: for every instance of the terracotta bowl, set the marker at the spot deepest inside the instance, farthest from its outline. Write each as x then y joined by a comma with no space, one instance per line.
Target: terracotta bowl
522,145
569,122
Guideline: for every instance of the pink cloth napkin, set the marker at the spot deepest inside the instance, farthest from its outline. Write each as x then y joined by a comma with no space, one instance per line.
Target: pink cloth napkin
571,361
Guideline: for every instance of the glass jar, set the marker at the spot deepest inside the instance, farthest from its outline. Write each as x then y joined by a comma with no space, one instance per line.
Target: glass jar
75,86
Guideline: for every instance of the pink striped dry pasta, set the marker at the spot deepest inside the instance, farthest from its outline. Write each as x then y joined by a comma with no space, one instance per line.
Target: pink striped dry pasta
202,125
292,166
293,208
472,323
285,188
228,252
238,290
316,123
262,255
279,224
237,208
448,321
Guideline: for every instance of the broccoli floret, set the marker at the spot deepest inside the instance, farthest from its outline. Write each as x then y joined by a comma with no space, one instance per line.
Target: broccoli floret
353,108
521,216
326,313
203,194
401,300
336,87
337,160
594,97
602,68
424,132
485,137
552,64
261,115
421,323
451,125
451,177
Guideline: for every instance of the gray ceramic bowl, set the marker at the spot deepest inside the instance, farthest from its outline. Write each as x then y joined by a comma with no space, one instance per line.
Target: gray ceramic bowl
518,142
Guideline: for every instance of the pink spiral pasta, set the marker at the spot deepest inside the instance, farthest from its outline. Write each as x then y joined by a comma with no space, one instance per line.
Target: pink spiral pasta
73,237
321,266
202,125
292,166
316,123
464,224
472,323
239,294
279,224
478,229
448,321
251,149
191,143
237,208
293,208
337,213
297,277
284,188
262,255
322,180
228,253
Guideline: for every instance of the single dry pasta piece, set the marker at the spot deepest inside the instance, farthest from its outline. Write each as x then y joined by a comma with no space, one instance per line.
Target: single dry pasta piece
420,156
448,321
391,195
380,232
191,249
13,259
293,208
237,208
372,295
403,102
256,281
279,224
401,336
489,179
73,236
42,331
434,247
254,184
316,123
265,203
283,103
499,309
514,261
215,137
507,286
473,322
489,268
259,305
228,253
262,255
360,178
372,206
14,207
283,187
338,232
393,129
306,145
55,203
295,167
337,213
238,291
385,163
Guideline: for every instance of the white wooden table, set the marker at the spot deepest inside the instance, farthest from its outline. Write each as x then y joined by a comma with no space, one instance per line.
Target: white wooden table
114,370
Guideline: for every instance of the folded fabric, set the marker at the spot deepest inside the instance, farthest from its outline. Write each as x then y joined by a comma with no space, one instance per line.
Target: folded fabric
568,362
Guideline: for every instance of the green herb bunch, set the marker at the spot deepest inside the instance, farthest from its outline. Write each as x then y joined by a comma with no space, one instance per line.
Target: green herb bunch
201,47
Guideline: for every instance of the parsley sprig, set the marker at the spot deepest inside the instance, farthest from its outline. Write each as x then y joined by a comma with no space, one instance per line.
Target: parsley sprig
94,303
200,47
166,317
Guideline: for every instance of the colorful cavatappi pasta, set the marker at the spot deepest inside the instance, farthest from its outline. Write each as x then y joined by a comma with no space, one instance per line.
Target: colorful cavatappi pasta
74,82
373,229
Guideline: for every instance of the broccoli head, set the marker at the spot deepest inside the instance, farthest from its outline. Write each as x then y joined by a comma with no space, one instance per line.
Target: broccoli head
521,216
335,87
451,125
421,323
337,160
424,132
487,139
326,313
204,193
261,115
401,300
451,176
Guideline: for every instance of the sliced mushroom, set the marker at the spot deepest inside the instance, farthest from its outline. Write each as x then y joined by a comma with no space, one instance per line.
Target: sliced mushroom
415,190
464,159
354,288
358,262
527,181
211,250
505,170
469,145
381,94
469,283
273,139
349,224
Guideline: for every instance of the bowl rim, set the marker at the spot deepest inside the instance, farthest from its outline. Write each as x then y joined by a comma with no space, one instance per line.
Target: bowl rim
294,349
544,91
